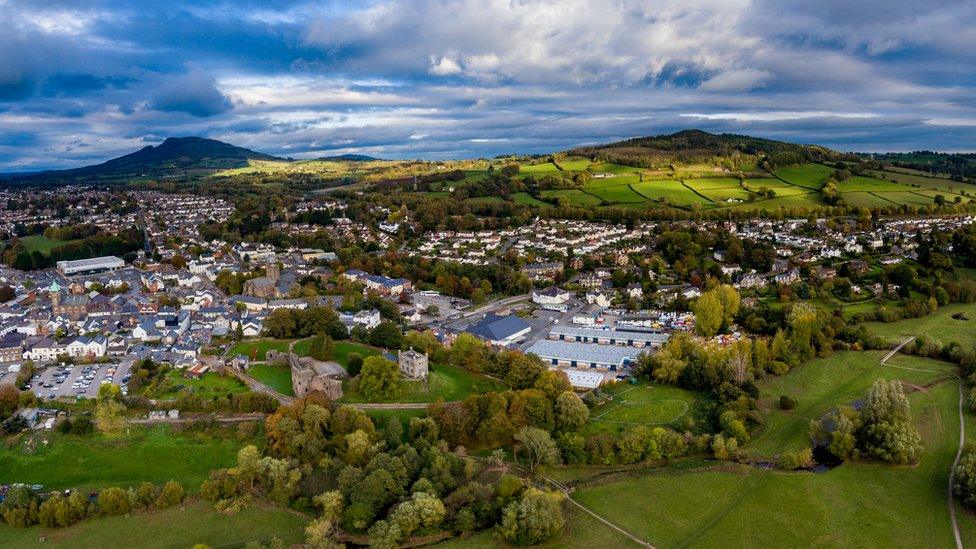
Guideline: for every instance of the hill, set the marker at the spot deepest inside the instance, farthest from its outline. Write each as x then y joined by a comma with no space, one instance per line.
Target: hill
348,158
176,156
692,146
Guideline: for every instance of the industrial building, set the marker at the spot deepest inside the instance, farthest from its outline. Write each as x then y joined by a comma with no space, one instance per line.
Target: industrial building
90,266
584,355
608,336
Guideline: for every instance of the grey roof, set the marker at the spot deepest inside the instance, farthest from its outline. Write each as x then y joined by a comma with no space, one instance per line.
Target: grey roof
497,328
619,335
585,353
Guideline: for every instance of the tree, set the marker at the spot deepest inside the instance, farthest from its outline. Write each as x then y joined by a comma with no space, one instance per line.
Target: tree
536,517
887,432
539,447
571,412
280,324
709,314
423,510
379,379
964,478
386,335
109,412
354,364
470,353
322,347
9,399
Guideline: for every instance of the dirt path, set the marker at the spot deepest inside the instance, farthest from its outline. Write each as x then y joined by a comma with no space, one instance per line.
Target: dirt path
962,437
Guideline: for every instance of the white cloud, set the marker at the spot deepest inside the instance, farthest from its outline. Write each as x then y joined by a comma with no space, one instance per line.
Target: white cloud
736,80
444,66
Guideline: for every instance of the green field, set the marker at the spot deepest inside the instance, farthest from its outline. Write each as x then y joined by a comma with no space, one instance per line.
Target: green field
573,197
574,163
41,243
854,505
713,183
528,199
155,454
447,382
865,200
861,183
811,176
673,191
173,527
257,350
538,169
614,191
210,385
613,168
823,384
644,404
276,376
938,325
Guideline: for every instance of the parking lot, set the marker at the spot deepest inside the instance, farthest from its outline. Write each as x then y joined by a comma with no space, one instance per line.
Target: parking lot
78,380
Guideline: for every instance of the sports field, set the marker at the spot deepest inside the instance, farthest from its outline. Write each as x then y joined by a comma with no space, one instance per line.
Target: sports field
642,404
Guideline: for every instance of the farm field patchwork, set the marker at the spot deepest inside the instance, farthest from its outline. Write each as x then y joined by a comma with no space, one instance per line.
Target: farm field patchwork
538,169
526,198
864,199
618,192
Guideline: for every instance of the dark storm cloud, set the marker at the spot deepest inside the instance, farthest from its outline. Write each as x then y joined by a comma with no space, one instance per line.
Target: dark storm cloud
84,80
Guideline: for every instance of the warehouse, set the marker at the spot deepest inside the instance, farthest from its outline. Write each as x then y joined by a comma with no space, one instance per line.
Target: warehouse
584,355
607,336
90,266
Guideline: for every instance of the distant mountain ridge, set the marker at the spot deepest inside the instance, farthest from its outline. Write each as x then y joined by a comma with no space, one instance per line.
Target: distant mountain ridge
174,156
349,158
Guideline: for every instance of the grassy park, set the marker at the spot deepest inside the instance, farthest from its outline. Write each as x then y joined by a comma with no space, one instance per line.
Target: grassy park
155,454
257,349
174,527
708,504
644,404
939,325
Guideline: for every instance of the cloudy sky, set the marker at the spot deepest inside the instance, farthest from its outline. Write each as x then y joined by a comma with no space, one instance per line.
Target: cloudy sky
85,80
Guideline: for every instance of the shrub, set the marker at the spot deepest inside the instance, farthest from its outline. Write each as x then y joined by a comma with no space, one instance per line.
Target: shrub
171,494
354,364
114,501
787,402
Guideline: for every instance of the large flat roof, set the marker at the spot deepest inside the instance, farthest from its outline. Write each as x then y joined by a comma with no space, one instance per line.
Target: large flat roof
587,353
91,263
576,331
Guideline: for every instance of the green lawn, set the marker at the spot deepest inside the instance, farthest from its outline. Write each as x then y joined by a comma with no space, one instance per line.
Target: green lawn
276,376
575,163
211,384
673,191
257,349
447,382
343,348
169,528
939,325
854,505
644,404
40,243
155,454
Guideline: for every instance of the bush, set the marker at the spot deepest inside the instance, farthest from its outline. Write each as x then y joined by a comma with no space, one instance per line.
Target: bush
114,501
787,402
171,494
534,518
788,461
322,347
354,364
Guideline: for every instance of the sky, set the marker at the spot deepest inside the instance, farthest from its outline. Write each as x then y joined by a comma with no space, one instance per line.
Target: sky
82,81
